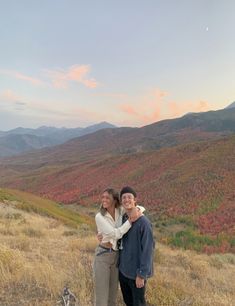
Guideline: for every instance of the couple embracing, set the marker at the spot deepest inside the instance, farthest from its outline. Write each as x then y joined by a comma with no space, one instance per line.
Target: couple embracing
125,252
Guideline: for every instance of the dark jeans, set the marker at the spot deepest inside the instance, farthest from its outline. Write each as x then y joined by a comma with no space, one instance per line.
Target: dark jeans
132,295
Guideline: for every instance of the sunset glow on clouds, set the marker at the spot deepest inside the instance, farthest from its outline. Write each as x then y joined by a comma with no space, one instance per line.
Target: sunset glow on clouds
157,105
151,106
9,95
147,108
60,78
20,76
177,109
77,64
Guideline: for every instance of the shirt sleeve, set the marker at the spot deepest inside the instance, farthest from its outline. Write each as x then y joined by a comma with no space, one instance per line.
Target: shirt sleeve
146,254
141,208
111,232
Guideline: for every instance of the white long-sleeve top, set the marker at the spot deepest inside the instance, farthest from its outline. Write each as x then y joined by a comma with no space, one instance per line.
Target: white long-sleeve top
113,229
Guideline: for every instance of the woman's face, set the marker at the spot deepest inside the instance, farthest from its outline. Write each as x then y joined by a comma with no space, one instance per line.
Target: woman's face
107,200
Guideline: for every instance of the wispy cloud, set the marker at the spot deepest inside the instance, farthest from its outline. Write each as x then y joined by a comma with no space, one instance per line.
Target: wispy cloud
20,103
60,78
20,76
56,111
119,96
8,96
10,101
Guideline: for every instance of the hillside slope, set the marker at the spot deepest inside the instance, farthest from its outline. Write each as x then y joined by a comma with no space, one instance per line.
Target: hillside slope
32,203
196,181
16,144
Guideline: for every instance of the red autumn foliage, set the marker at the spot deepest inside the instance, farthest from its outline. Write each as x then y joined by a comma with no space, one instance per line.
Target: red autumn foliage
195,179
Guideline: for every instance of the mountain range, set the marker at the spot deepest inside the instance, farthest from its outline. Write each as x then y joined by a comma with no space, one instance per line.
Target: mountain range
193,126
21,140
126,140
183,171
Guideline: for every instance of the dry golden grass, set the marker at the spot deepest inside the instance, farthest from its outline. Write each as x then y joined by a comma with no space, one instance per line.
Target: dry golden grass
40,255
188,278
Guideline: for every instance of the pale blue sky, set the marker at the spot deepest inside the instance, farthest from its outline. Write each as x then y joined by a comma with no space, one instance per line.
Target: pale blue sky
74,63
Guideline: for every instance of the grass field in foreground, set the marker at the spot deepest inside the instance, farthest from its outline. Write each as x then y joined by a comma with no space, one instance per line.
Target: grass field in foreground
39,255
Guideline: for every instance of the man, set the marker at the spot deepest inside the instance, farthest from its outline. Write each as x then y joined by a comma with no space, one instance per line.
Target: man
136,255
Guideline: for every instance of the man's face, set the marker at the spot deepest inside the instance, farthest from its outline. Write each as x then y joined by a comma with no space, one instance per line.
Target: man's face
128,201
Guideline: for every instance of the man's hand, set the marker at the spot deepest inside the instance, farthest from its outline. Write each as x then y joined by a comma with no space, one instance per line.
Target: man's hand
99,236
135,214
139,282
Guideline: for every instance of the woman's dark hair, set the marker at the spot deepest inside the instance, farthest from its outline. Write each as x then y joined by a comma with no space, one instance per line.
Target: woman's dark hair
115,196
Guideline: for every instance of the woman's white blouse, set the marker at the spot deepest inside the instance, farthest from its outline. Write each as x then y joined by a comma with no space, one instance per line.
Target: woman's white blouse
111,229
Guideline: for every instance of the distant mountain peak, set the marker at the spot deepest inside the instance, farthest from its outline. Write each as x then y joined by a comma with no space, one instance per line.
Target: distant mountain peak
232,105
20,140
44,127
103,124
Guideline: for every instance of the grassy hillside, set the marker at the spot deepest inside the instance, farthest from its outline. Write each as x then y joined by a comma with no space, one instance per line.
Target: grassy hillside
31,203
40,255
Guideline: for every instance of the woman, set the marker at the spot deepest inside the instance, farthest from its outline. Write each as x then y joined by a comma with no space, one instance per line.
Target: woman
109,224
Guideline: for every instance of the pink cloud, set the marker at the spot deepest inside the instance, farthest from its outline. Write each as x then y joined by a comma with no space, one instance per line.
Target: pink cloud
159,94
176,109
21,76
156,115
155,105
202,106
147,107
152,114
129,109
60,78
9,95
90,83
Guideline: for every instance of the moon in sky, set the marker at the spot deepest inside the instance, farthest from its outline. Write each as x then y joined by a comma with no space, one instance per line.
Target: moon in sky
207,29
